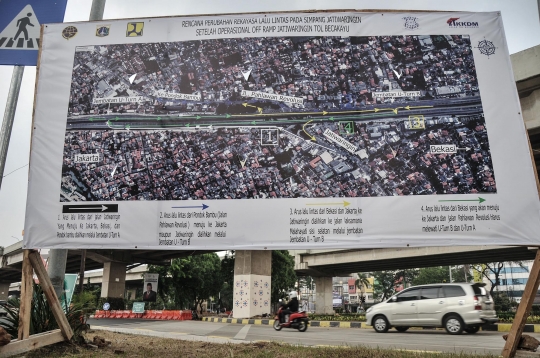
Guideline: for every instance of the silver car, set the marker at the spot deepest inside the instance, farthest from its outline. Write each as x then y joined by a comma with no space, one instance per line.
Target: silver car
457,307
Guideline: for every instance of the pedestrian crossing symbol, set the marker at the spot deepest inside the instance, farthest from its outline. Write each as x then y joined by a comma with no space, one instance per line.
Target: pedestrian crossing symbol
22,33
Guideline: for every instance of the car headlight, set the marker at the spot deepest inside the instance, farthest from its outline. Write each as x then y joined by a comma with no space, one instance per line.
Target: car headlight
369,309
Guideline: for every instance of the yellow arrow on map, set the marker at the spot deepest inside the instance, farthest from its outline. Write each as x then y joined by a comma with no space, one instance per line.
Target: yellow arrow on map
409,107
344,203
259,109
309,135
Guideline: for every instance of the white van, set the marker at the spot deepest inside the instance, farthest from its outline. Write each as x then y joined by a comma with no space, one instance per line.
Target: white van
457,307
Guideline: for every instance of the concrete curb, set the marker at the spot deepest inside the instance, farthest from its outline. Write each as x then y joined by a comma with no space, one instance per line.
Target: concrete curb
501,327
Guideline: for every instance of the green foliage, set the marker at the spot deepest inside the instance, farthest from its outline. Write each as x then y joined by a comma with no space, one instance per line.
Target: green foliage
283,274
345,317
503,303
42,318
439,274
85,301
362,283
116,303
192,280
189,281
385,282
227,273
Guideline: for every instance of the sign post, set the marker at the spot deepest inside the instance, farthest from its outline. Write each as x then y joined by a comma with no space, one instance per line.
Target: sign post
138,307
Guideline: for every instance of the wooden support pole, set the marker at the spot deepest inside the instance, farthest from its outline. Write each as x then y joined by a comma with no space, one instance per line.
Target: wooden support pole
27,291
523,309
52,299
35,341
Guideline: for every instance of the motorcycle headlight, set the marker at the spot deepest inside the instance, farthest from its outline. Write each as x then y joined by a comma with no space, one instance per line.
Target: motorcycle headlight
369,309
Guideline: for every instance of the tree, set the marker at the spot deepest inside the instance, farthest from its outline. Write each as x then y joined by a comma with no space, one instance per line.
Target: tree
495,269
438,274
191,280
283,275
384,284
227,274
362,282
386,281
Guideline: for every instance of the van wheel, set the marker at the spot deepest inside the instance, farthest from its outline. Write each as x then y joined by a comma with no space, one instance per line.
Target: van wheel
380,324
472,329
401,329
453,324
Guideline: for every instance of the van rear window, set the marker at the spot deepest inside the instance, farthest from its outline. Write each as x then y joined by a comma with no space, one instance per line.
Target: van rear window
479,290
453,291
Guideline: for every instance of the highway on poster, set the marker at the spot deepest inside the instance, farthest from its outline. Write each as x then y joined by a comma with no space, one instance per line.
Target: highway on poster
120,121
483,342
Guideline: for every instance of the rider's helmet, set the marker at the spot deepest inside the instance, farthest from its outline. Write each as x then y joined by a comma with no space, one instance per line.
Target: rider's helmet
293,294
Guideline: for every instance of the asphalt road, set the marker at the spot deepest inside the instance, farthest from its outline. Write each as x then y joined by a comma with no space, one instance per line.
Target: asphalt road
137,121
413,340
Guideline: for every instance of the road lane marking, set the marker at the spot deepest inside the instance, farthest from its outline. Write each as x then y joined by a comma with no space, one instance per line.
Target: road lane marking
243,332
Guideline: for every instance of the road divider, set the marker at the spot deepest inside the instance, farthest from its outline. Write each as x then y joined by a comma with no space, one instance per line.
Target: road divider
501,327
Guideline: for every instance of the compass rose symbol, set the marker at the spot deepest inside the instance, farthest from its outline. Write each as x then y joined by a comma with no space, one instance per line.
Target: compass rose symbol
486,47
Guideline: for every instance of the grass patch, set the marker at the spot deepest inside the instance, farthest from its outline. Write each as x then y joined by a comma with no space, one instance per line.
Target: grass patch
125,345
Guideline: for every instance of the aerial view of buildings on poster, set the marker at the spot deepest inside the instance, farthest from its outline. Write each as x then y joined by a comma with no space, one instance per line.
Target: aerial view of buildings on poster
276,117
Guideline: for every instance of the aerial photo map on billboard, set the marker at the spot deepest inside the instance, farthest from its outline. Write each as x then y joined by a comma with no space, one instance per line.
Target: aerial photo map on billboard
281,130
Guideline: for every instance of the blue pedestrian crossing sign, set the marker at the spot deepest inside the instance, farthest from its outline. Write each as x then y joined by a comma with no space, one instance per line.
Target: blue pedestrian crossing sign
20,23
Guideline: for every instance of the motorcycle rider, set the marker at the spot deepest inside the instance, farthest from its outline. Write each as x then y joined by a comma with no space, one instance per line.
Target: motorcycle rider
290,307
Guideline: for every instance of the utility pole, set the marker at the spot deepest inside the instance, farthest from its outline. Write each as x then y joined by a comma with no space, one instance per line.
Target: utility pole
9,115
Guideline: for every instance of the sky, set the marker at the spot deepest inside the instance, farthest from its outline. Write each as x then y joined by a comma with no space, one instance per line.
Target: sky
520,17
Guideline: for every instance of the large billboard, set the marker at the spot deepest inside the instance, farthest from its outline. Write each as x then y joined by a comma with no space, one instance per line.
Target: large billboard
282,130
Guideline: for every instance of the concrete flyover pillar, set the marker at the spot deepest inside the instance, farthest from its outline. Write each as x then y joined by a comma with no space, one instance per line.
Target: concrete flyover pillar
252,283
324,297
4,291
114,280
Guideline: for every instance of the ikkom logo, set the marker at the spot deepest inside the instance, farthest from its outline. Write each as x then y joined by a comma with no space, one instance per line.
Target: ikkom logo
454,23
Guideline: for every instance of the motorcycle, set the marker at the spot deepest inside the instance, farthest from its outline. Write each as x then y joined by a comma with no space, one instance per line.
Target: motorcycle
298,320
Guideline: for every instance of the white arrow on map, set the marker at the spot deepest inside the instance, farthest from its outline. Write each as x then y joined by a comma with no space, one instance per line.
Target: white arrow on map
114,170
132,78
398,75
246,74
466,148
243,162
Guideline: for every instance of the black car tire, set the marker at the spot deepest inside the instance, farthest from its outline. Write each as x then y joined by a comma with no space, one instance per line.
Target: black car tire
380,324
453,324
472,329
401,329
